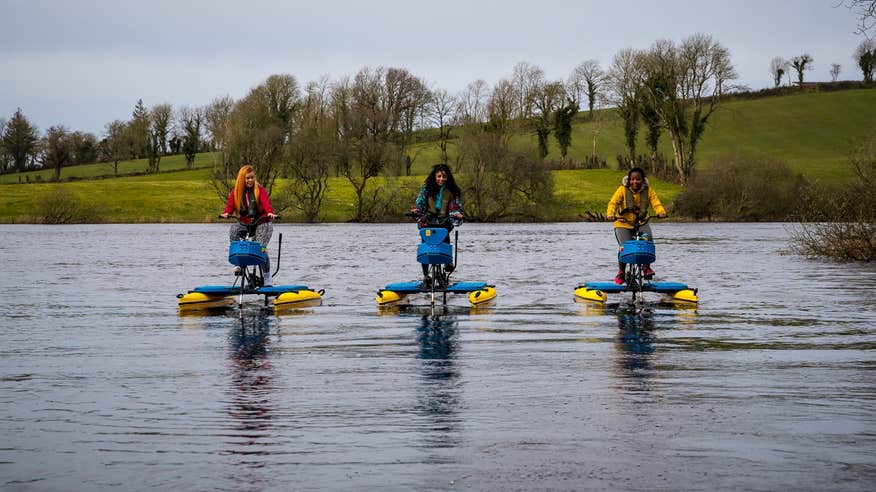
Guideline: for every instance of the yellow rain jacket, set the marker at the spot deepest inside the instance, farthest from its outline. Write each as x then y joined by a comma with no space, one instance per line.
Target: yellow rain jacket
619,203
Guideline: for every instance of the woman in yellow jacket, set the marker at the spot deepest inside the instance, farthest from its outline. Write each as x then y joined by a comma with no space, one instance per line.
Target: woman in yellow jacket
628,205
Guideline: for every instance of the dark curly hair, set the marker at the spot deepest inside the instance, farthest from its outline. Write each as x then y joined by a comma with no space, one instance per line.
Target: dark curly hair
432,185
636,170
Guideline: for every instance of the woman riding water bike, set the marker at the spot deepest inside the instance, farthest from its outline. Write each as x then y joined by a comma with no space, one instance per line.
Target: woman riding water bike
249,201
438,205
628,208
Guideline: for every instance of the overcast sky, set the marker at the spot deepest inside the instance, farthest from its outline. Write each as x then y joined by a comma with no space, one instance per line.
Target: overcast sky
84,63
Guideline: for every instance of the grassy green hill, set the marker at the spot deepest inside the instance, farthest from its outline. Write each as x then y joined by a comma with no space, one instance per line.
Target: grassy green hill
105,170
812,132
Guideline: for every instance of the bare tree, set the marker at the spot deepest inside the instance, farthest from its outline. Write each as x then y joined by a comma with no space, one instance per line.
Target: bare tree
256,130
373,114
217,118
115,146
866,12
57,150
778,68
834,71
5,158
865,57
800,64
413,101
501,181
279,94
526,80
159,127
626,85
442,113
311,151
502,108
598,124
473,103
686,86
589,77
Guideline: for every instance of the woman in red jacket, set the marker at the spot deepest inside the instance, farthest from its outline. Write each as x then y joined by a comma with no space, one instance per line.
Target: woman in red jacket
250,202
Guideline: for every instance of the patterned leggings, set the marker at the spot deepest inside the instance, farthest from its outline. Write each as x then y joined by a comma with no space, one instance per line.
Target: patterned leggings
263,232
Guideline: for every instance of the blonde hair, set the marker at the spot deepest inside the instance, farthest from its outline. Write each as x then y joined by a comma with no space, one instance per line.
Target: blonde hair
240,186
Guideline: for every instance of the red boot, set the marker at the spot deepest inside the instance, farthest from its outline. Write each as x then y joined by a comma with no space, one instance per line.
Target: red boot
619,278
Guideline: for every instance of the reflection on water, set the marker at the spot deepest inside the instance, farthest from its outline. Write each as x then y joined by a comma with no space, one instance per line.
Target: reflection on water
635,342
251,383
437,336
640,331
440,389
252,401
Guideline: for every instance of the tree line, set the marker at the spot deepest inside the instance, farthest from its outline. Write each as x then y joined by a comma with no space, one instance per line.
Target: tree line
150,133
864,56
364,127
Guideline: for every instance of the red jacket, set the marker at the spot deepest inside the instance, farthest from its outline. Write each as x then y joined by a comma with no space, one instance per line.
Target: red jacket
264,206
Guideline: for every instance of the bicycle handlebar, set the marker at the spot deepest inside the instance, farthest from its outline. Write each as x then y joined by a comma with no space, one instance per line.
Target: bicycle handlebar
432,219
638,222
232,216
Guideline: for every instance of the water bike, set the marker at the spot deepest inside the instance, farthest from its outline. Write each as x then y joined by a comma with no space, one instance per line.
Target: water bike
637,253
249,258
436,251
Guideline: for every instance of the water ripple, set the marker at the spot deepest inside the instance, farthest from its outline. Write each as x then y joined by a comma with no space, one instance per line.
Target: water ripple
767,384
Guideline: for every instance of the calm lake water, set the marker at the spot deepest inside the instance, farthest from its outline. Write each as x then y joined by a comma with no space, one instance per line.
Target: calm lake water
770,384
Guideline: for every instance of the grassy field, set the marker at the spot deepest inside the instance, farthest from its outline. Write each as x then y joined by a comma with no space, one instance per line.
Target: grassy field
169,163
811,132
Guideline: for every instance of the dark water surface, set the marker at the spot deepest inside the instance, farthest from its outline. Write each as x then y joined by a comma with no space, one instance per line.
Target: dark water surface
769,385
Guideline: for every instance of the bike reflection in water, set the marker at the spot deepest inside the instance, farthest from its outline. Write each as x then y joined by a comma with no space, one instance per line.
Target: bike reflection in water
250,399
249,395
635,342
440,392
637,334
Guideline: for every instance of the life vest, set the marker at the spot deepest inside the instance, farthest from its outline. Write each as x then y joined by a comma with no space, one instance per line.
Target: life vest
250,206
445,204
630,201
